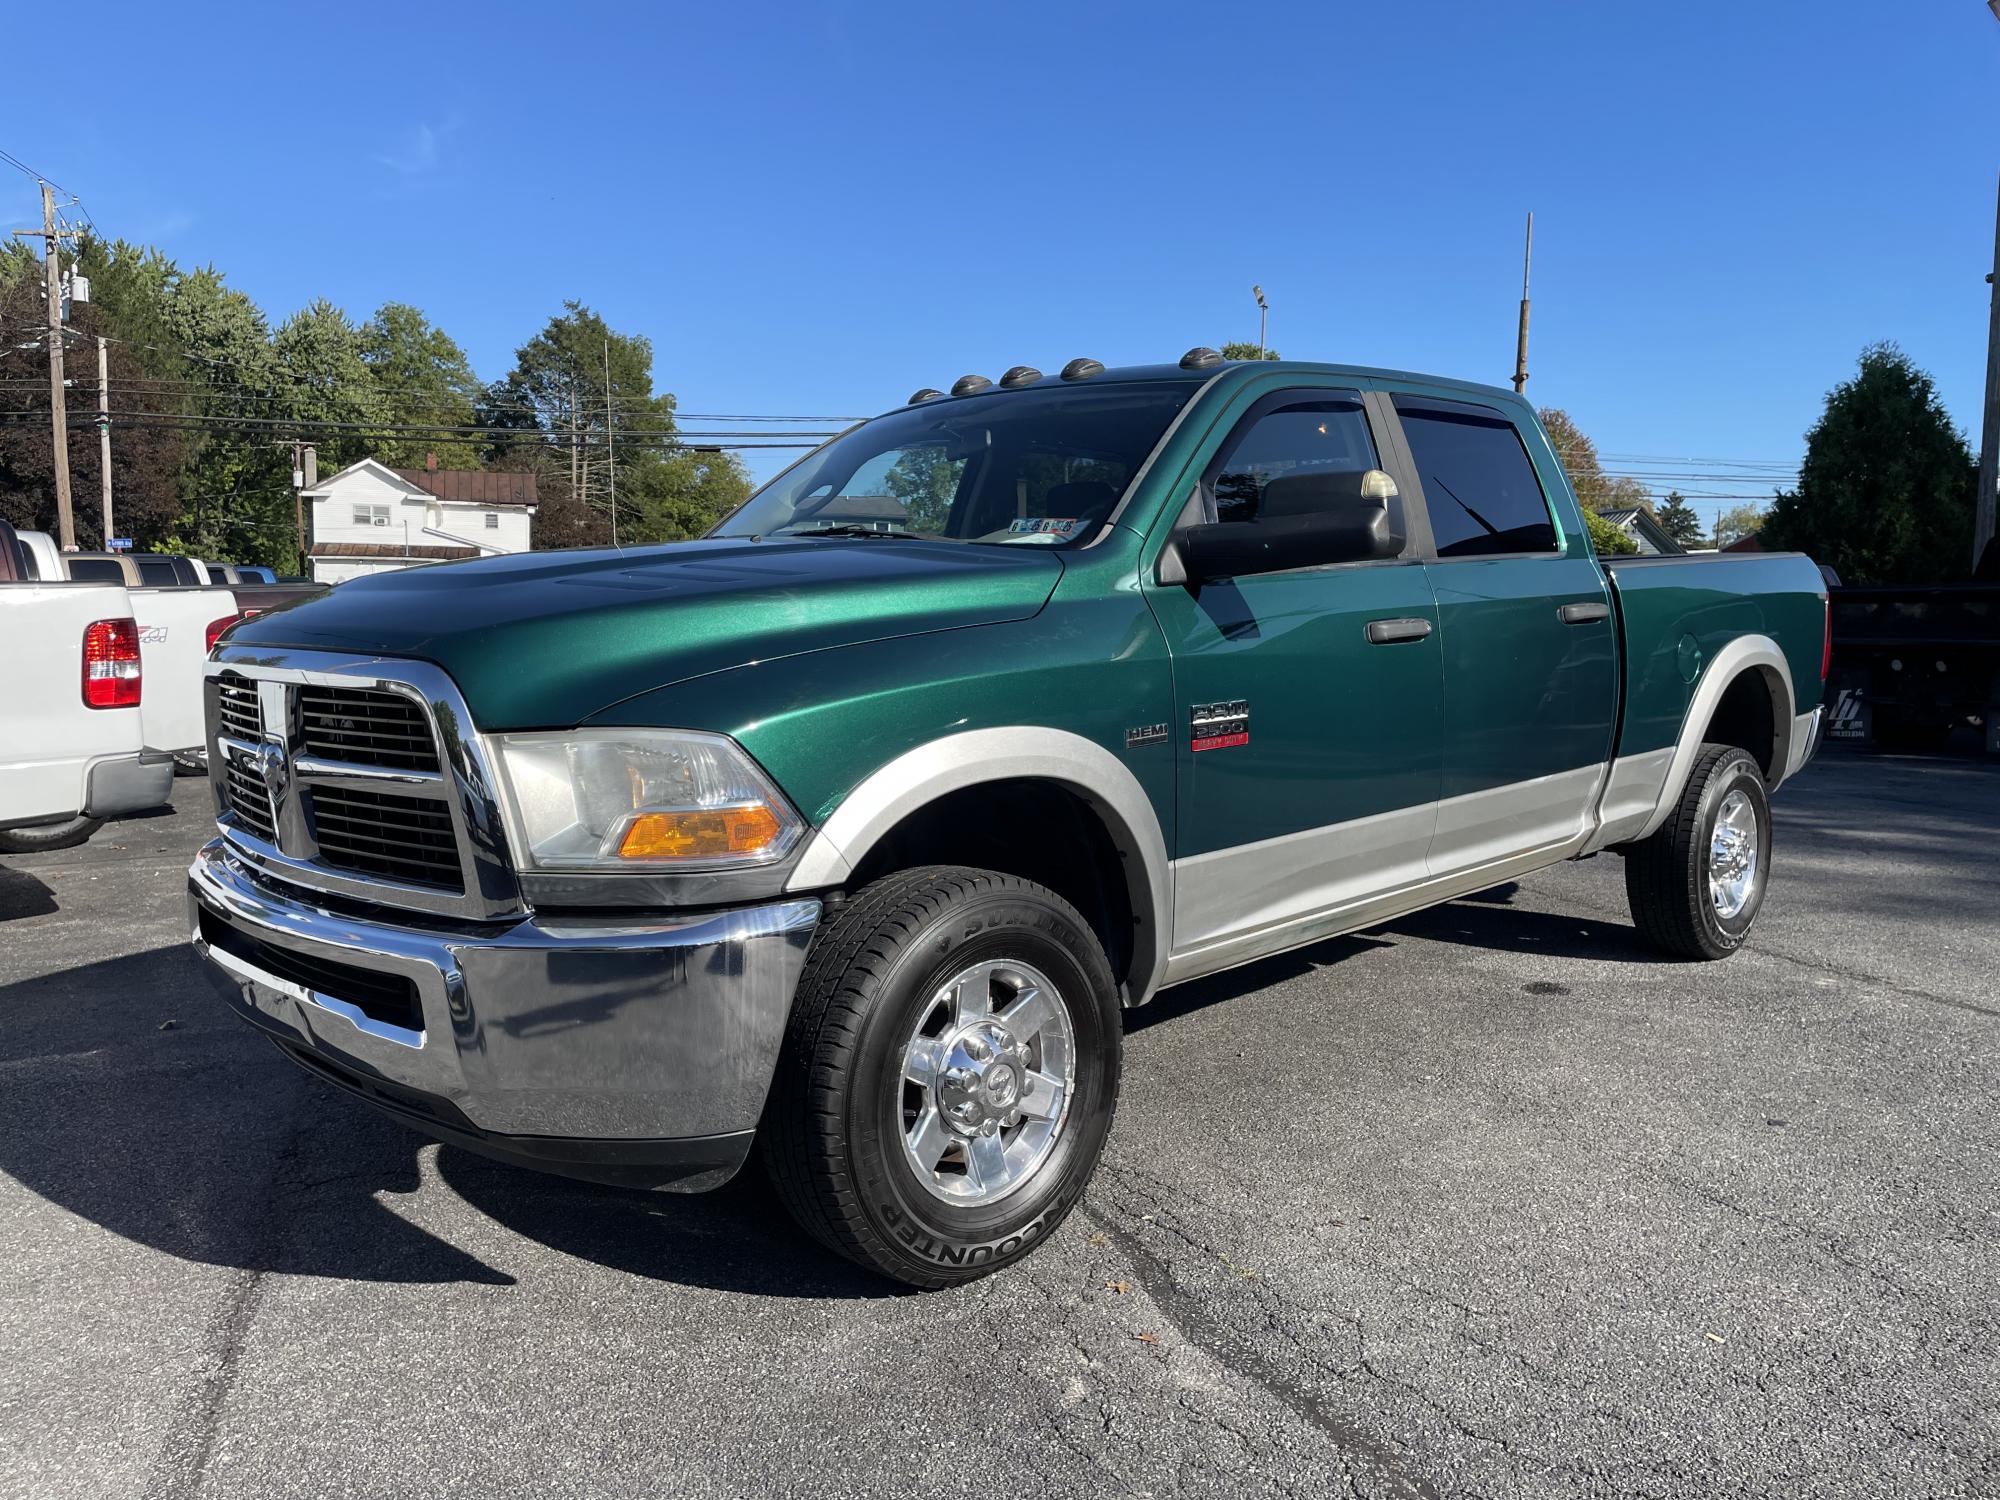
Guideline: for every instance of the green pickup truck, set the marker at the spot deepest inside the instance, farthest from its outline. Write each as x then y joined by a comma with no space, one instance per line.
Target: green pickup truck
855,824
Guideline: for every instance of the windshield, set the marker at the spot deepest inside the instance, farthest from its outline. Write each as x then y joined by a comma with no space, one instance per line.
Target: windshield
1034,467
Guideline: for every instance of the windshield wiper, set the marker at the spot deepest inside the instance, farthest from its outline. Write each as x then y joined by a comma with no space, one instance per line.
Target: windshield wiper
848,528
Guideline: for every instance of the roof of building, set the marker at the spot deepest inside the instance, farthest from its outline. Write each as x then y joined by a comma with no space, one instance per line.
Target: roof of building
473,486
1745,543
1636,518
452,486
395,550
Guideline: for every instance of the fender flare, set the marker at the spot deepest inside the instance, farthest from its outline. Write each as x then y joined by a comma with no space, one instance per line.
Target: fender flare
1748,653
1022,752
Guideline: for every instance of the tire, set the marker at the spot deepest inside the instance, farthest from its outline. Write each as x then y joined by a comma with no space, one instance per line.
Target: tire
48,836
1667,874
846,1127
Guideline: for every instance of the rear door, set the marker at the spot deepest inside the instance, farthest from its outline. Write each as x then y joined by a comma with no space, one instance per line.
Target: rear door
1529,645
1308,703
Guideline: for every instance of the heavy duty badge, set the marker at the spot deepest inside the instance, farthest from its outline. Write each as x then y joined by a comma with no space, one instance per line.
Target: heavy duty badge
1220,726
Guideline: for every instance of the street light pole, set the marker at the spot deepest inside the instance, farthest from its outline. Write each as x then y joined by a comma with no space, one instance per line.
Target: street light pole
1263,313
1989,441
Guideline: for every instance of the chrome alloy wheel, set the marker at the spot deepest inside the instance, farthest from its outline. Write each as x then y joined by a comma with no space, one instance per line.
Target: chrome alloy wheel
1732,855
987,1075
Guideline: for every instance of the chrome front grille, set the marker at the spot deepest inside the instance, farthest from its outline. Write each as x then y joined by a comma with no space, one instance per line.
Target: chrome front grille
337,777
366,727
381,833
236,697
239,717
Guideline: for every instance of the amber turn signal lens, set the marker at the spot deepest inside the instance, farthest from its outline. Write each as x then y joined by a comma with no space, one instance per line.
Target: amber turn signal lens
699,835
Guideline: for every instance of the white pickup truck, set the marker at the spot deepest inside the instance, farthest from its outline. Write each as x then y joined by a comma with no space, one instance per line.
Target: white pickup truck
73,685
53,738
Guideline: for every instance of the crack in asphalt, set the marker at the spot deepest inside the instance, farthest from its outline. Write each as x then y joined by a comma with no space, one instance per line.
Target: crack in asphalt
180,1469
1200,1327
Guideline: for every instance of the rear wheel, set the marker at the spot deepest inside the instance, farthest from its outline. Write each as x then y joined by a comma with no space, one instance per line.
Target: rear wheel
48,835
1697,882
949,1074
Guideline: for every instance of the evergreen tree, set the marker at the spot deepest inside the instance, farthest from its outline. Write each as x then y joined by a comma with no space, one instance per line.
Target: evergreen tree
1887,488
1678,520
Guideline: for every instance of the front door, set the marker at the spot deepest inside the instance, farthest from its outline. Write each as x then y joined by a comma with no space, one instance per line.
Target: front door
1529,642
1309,703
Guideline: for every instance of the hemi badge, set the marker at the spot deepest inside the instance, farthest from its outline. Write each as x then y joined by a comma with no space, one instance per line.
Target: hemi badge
1146,734
1219,726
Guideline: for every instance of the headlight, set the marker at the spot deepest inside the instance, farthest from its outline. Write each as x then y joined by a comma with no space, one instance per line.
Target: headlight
623,799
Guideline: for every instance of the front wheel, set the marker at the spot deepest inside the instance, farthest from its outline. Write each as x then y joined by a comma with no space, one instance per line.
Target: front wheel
948,1076
1697,882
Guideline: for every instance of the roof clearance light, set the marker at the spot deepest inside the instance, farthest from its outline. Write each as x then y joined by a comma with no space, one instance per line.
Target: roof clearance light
1081,369
969,385
928,393
1019,376
1200,358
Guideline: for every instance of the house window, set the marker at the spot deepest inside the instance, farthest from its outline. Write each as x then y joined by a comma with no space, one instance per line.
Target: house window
492,521
371,515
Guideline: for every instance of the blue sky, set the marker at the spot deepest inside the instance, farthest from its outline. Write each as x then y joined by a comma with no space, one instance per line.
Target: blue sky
816,208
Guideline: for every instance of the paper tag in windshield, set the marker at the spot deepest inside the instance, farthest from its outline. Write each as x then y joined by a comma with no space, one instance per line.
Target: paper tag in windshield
1046,529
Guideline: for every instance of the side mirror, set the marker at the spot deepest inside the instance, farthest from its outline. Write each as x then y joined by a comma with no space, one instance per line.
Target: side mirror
1337,528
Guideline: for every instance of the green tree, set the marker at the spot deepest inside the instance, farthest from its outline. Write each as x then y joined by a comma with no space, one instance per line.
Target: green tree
1678,519
1886,491
1737,522
1605,538
146,458
1595,490
1239,349
557,413
926,481
420,375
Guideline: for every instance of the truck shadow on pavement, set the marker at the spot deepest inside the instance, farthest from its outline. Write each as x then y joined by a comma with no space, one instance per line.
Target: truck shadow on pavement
133,1100
1486,919
22,895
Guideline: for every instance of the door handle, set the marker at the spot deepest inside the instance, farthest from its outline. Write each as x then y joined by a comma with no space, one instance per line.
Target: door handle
1388,632
1582,614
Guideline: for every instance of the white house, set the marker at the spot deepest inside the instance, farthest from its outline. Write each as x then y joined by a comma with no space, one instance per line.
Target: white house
1637,522
370,518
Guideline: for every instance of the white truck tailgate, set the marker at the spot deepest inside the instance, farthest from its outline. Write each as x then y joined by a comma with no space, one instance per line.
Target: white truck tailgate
173,625
48,737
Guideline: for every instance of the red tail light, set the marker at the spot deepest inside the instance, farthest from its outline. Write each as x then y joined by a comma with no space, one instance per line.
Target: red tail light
111,664
1826,643
215,628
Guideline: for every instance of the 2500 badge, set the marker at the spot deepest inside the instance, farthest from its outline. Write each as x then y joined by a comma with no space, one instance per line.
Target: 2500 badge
1219,726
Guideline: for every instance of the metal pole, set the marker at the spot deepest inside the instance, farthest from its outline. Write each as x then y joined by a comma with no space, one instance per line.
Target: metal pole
104,433
611,438
1521,336
1989,443
58,405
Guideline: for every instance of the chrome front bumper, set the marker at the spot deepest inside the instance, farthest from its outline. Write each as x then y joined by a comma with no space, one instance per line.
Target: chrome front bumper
635,1052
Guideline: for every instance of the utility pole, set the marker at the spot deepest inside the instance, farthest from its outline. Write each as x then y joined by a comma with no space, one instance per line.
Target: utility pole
1989,442
52,238
1521,338
104,433
1263,313
611,438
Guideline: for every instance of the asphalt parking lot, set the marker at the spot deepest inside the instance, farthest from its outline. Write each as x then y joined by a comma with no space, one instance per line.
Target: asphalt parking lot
1488,1202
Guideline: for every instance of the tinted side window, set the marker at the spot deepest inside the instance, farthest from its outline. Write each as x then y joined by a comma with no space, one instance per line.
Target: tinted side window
95,570
1296,456
157,571
1479,486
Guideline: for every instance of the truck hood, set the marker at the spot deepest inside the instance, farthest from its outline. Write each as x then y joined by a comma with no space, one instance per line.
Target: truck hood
540,640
